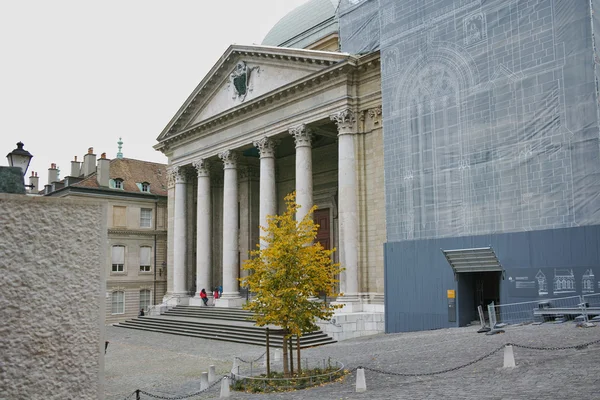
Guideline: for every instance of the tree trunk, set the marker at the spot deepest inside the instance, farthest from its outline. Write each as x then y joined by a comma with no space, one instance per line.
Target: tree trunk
284,355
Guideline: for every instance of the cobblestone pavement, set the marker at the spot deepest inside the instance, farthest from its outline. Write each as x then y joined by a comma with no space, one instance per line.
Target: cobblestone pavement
169,365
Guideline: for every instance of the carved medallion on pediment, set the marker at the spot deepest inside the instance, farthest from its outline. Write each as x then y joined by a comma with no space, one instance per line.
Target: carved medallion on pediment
242,80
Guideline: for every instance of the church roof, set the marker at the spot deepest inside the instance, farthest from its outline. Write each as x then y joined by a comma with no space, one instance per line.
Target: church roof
132,172
304,25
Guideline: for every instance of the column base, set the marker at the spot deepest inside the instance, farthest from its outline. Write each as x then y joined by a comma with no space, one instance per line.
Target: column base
350,304
230,301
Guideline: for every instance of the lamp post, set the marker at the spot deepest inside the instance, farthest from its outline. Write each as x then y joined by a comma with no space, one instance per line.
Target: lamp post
19,157
12,177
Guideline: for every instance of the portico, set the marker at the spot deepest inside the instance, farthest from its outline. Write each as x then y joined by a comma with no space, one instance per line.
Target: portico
264,122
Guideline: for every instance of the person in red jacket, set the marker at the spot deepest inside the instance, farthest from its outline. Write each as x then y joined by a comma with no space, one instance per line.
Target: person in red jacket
216,293
204,297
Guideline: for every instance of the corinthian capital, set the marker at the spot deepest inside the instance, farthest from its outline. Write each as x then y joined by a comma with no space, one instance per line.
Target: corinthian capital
229,158
302,135
176,175
266,147
202,167
170,177
345,121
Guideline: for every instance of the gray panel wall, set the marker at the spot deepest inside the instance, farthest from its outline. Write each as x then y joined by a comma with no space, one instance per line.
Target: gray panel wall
417,275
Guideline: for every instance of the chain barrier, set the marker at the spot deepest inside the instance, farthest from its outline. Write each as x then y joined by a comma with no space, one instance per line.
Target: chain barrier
131,395
576,347
252,361
435,372
185,396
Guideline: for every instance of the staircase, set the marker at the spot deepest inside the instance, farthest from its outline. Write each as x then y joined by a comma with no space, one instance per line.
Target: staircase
225,324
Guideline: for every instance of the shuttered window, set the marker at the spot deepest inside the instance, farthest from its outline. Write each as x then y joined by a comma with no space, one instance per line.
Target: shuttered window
119,217
118,258
145,259
118,302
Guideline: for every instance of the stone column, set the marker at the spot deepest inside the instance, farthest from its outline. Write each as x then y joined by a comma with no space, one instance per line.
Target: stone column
179,233
304,183
231,295
347,208
203,229
268,196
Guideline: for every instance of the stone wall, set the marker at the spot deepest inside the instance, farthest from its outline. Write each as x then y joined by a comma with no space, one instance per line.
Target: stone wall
52,257
371,208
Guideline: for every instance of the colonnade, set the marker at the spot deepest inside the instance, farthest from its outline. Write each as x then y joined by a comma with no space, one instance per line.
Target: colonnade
347,210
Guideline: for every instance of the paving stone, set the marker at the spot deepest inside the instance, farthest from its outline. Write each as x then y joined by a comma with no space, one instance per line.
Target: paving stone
169,365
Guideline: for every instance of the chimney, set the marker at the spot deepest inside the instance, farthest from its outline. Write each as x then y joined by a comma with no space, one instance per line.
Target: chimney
89,162
35,181
75,168
103,174
52,174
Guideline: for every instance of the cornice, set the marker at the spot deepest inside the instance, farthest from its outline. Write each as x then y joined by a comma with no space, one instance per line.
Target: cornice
115,231
105,193
314,80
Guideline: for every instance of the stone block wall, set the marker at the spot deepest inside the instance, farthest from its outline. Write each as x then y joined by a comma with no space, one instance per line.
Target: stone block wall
52,257
371,209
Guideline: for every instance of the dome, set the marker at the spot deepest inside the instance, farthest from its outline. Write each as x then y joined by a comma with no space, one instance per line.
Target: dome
304,25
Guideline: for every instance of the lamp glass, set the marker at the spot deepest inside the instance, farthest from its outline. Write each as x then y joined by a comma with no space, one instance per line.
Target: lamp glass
19,157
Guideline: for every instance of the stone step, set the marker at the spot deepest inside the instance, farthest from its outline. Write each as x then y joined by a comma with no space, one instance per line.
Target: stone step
204,325
249,337
220,313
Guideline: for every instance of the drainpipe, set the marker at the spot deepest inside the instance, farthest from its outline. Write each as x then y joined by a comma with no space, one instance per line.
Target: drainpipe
155,226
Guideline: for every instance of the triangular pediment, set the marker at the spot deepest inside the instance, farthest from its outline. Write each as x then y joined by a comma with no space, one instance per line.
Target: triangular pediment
245,73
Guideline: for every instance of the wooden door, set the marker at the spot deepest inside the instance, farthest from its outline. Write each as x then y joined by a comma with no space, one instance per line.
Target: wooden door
321,218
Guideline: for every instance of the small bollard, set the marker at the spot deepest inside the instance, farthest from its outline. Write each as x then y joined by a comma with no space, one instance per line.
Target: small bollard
361,383
211,374
509,357
204,381
236,365
224,387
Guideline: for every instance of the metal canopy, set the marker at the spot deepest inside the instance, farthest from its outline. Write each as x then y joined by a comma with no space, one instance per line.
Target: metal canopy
473,260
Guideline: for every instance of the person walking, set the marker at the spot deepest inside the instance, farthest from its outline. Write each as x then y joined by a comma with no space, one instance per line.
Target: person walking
204,297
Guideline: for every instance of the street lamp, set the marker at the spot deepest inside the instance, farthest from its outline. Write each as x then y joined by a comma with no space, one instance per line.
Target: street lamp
19,157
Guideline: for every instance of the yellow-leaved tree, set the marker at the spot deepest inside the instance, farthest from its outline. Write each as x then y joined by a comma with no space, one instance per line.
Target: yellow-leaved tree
289,273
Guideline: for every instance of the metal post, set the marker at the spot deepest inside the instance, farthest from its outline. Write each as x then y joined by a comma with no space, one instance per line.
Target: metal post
298,355
137,394
291,346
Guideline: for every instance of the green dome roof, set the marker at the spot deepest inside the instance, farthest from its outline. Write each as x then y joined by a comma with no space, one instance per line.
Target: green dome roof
304,25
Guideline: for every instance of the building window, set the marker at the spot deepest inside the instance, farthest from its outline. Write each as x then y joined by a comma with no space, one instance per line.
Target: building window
144,299
118,302
119,184
118,258
146,218
145,258
145,187
119,217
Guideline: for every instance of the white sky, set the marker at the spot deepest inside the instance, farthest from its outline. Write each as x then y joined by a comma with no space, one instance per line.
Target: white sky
78,74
